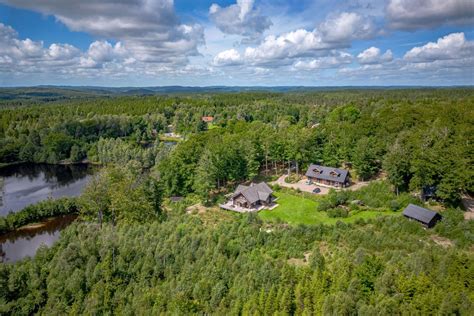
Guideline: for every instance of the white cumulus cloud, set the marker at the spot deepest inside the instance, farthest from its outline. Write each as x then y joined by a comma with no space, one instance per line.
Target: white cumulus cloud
150,28
240,19
452,46
339,59
336,32
227,58
346,27
373,55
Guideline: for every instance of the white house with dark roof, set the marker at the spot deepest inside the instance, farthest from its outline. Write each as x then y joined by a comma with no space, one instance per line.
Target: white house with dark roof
339,178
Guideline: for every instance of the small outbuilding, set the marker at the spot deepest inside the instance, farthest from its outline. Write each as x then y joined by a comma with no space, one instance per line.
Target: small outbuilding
425,216
207,119
428,193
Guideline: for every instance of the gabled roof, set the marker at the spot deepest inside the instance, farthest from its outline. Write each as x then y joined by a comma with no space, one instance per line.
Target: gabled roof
419,213
254,192
327,173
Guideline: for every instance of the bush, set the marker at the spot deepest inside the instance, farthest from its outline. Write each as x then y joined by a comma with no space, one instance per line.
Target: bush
325,204
292,178
394,205
276,187
338,212
453,226
378,194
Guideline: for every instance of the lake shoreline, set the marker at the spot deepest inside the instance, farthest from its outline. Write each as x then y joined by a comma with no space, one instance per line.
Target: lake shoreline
29,183
59,163
39,224
25,241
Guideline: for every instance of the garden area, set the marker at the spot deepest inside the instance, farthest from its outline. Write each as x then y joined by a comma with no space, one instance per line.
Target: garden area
298,208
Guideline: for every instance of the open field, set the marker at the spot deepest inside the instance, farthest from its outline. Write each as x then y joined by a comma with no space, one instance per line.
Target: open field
299,210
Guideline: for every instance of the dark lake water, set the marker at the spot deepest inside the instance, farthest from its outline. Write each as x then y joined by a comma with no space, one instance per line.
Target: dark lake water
25,242
26,184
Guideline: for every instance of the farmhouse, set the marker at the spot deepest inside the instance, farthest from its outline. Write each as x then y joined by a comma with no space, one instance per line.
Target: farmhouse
338,178
207,119
426,217
255,196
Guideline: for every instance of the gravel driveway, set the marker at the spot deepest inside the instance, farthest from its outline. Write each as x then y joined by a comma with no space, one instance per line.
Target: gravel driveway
300,185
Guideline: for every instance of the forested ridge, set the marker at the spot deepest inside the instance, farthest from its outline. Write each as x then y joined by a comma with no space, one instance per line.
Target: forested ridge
133,251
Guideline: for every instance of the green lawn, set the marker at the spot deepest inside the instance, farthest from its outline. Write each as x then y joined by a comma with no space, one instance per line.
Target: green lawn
299,210
164,138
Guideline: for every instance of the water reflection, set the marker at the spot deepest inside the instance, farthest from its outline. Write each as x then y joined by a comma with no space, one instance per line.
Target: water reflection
25,242
26,184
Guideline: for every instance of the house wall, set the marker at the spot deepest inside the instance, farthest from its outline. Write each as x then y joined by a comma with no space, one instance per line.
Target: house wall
241,201
328,182
428,225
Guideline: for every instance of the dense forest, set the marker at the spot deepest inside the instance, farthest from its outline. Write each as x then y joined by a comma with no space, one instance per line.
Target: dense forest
418,137
134,251
232,266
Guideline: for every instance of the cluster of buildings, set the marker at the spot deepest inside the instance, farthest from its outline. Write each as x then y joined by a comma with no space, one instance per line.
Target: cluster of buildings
258,196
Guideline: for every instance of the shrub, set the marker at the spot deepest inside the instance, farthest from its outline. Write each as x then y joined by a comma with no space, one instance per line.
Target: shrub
325,204
394,205
338,212
276,187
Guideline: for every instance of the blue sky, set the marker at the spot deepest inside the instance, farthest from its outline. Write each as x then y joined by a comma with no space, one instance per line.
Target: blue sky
239,42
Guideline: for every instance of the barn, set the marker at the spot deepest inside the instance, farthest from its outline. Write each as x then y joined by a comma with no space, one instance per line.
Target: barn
426,217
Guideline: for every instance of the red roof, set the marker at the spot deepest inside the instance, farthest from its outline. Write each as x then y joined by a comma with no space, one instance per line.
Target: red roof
207,118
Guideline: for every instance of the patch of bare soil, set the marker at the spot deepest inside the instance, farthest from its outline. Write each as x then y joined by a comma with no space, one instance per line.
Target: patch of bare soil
323,248
299,262
443,242
196,209
469,216
210,216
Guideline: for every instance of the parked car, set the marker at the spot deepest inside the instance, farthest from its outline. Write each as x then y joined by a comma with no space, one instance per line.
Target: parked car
309,182
316,190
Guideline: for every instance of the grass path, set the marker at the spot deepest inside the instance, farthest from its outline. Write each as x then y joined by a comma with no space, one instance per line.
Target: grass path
296,210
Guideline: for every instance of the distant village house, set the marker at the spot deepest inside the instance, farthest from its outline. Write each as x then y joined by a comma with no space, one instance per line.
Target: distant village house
339,178
207,119
422,215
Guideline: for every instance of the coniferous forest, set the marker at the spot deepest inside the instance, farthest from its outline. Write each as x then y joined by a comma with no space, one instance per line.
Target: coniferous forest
135,249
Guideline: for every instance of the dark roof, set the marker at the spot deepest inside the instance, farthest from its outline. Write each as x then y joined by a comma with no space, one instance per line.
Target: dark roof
327,173
419,213
429,190
254,192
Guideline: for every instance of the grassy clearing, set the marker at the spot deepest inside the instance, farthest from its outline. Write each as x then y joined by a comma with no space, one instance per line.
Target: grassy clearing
296,210
170,139
212,126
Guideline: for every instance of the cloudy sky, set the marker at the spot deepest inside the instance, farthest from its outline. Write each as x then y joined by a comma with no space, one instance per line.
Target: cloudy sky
236,42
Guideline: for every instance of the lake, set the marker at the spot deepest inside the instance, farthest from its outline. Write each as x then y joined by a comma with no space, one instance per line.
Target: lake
25,184
25,242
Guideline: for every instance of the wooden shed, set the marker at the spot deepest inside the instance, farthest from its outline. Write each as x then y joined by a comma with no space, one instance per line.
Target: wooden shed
422,215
